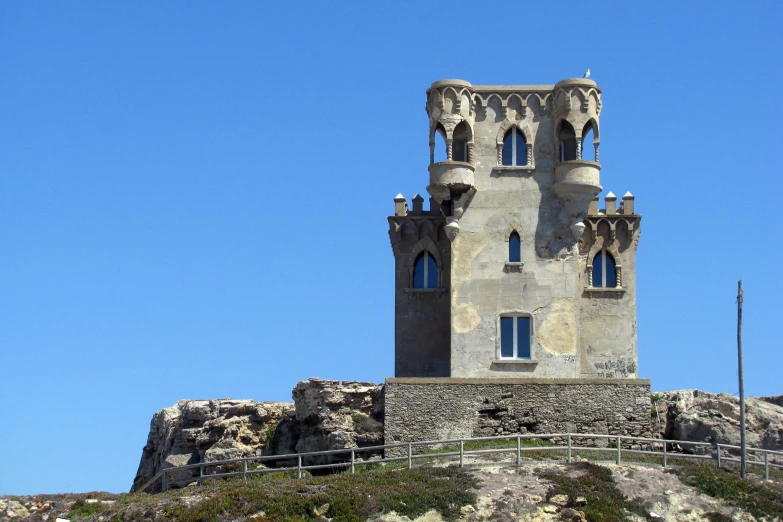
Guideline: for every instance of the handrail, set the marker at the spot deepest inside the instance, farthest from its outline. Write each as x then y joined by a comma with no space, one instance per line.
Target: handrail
615,448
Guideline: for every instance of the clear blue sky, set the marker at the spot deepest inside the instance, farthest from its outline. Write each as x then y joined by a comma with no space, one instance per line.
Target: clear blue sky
194,196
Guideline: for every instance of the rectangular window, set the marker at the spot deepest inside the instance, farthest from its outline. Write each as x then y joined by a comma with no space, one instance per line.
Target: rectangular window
515,337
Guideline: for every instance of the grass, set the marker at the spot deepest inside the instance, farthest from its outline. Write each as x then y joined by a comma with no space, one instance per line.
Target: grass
759,499
605,503
350,497
82,509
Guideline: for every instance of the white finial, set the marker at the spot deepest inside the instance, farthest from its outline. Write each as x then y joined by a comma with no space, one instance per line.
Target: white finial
587,74
627,195
399,197
611,195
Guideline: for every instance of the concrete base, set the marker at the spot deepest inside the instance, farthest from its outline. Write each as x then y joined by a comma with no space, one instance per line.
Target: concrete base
449,408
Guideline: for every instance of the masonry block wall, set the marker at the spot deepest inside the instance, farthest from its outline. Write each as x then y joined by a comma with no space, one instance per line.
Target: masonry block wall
440,409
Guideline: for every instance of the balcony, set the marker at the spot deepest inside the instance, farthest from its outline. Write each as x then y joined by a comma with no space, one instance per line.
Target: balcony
577,178
450,179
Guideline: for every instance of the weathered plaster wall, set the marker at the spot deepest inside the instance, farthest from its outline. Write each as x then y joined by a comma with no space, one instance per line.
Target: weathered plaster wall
438,409
508,199
608,316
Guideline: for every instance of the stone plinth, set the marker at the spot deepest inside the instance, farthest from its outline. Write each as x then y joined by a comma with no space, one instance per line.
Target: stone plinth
451,408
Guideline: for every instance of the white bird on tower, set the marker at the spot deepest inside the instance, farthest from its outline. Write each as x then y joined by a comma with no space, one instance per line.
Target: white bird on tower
587,74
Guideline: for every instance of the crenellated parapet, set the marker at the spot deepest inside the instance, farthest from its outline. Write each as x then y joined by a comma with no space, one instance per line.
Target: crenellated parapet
613,230
414,228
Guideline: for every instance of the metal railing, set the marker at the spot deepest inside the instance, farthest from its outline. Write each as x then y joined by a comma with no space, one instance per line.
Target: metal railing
712,452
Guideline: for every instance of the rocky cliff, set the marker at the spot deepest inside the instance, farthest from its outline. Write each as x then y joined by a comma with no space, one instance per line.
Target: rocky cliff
324,415
693,415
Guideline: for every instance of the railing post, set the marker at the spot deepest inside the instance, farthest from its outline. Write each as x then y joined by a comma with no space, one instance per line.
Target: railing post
664,453
163,483
201,475
244,470
766,465
299,466
519,451
461,452
568,459
618,450
718,452
353,456
410,455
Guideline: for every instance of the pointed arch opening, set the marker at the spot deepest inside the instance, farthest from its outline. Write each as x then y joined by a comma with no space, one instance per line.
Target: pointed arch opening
425,271
566,141
462,136
438,145
589,139
514,147
604,270
514,248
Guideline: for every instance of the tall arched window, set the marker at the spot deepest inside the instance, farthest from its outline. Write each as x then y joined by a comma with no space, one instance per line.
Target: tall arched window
514,248
514,148
566,137
425,271
604,272
459,145
438,144
588,143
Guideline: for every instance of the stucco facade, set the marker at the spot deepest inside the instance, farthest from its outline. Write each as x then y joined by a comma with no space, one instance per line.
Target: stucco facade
566,308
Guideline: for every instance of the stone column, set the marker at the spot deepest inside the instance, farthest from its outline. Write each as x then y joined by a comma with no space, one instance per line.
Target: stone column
449,143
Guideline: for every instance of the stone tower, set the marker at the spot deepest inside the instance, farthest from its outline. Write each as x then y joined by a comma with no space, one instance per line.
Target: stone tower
513,271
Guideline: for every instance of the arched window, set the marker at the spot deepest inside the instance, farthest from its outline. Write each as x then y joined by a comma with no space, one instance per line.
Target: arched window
514,148
566,141
438,144
588,143
514,250
425,271
459,144
604,272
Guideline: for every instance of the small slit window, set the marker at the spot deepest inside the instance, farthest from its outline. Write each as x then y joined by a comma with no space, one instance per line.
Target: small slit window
514,148
514,248
515,337
425,271
604,271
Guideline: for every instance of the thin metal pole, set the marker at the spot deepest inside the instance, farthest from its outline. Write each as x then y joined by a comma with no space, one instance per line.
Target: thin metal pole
519,451
618,449
664,453
410,455
718,445
461,453
201,475
569,449
244,470
299,466
353,457
163,483
766,465
741,379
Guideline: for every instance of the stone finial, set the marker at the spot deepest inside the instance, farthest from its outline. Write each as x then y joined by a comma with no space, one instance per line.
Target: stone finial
628,203
418,205
611,204
592,210
400,205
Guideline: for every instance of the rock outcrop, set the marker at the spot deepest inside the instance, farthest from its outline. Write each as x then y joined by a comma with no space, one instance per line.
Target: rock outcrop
693,415
333,415
326,415
191,432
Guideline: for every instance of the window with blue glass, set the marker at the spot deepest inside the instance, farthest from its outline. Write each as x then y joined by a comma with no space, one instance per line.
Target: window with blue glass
515,337
514,248
514,148
604,270
425,271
